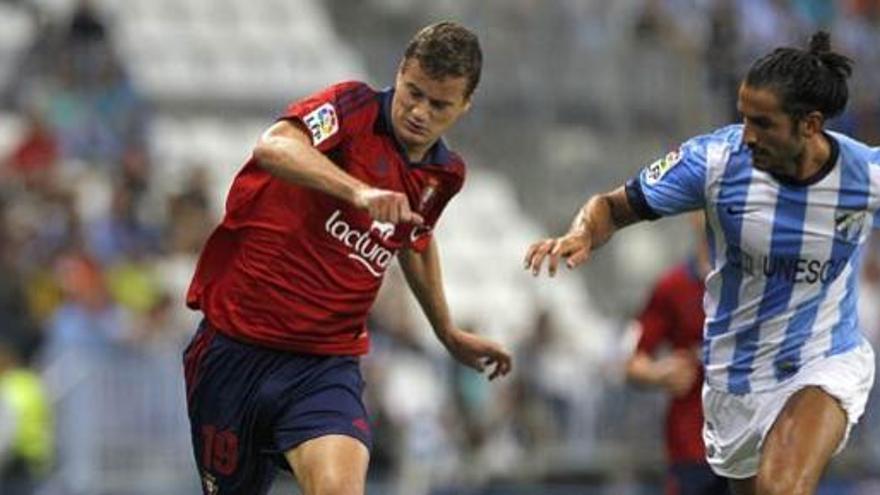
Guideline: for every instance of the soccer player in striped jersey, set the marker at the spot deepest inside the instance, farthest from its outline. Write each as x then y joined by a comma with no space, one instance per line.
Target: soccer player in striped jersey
789,208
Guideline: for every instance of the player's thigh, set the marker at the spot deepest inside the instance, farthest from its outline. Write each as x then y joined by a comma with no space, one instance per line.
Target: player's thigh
802,440
226,418
330,465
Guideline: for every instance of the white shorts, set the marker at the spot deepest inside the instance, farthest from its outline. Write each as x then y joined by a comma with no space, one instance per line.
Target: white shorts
735,425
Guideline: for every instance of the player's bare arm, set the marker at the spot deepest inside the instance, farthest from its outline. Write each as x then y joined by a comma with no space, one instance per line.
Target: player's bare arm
592,227
423,274
285,151
675,372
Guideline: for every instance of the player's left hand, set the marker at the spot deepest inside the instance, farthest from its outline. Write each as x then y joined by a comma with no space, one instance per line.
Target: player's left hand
478,353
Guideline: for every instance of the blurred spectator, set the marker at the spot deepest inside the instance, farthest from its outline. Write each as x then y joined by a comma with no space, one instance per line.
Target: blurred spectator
44,222
722,57
37,152
544,411
818,13
412,392
89,319
767,23
189,224
156,331
866,8
18,325
86,26
667,357
26,424
119,115
132,283
122,234
856,28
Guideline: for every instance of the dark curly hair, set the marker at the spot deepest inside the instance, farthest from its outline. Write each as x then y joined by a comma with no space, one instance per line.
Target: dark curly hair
805,80
447,49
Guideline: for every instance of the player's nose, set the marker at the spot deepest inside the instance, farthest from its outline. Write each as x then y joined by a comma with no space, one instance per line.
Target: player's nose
420,112
749,137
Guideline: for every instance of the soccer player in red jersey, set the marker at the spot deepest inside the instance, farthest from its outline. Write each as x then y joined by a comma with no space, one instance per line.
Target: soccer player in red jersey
673,317
342,182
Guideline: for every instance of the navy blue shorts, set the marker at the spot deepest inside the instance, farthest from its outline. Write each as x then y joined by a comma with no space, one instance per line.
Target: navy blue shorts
248,405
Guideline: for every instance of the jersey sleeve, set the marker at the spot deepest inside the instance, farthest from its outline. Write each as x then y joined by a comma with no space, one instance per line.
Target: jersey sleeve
328,115
671,185
435,195
655,321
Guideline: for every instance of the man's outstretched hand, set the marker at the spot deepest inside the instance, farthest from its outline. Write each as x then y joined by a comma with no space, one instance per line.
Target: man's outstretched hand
478,353
574,247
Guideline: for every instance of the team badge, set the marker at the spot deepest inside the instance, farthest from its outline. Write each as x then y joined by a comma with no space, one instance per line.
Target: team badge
429,193
322,123
848,225
655,171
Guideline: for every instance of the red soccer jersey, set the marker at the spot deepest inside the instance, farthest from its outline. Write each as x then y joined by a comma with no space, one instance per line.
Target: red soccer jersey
674,315
296,269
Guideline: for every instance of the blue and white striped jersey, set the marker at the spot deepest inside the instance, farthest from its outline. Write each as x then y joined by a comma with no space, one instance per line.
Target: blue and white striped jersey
785,257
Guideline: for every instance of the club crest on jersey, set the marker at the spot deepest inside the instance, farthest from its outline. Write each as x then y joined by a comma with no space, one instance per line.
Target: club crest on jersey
322,123
848,225
655,171
429,193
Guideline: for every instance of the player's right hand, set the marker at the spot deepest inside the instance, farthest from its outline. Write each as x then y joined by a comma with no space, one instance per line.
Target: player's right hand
679,371
386,206
574,247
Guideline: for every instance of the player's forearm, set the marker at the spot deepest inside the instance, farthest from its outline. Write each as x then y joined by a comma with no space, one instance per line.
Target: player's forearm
641,369
299,163
423,275
595,219
603,215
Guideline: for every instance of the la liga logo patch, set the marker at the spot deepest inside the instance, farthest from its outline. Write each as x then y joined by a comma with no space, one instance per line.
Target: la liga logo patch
322,123
655,171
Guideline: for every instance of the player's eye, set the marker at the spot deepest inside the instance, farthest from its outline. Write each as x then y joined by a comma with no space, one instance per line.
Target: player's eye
439,105
760,122
415,93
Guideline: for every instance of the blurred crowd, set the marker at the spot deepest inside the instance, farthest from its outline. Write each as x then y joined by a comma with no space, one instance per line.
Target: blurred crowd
95,253
93,256
728,35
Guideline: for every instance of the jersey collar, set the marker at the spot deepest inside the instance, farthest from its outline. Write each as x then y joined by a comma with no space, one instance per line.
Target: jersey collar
438,154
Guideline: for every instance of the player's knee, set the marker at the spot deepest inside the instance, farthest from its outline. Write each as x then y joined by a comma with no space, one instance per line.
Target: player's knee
335,482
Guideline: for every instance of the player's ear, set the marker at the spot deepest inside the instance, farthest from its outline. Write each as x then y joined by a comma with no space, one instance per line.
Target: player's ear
812,123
